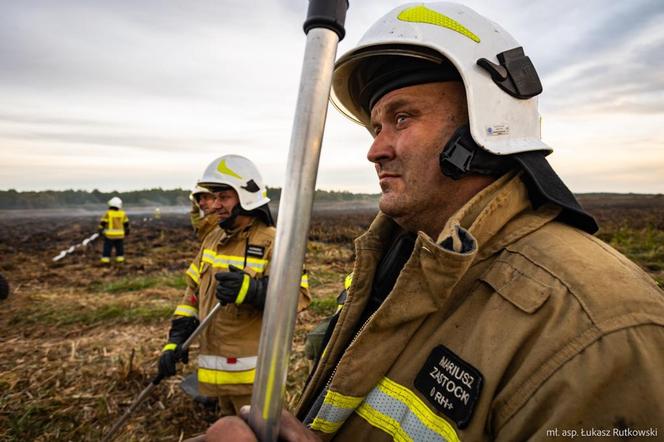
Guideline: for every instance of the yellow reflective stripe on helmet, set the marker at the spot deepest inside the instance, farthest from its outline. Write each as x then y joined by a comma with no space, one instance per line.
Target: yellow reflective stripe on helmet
223,261
194,273
304,281
185,310
400,413
223,168
218,377
422,14
169,346
334,411
243,289
348,280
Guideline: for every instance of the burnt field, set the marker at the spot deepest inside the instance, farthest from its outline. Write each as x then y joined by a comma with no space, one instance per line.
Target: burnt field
79,341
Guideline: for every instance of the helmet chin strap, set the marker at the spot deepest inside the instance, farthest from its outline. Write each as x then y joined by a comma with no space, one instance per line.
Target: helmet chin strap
462,156
229,222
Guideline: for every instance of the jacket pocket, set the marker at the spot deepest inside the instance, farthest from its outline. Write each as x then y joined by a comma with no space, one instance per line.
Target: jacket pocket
521,282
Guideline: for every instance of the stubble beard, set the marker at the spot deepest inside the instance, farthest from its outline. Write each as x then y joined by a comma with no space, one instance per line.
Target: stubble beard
396,205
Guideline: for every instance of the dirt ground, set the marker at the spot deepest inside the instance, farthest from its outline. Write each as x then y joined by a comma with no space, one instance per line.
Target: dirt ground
79,341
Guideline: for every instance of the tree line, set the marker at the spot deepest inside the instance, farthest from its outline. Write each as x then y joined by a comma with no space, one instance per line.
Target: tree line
49,199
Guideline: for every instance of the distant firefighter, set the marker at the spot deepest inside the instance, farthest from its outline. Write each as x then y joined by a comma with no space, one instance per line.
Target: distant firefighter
114,226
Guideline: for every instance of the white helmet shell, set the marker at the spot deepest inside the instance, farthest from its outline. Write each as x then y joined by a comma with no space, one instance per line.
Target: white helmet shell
499,122
197,190
242,175
115,202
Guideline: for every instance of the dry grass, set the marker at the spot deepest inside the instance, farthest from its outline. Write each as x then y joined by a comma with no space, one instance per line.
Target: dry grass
79,341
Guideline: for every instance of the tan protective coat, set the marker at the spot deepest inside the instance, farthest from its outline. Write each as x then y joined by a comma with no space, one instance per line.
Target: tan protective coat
567,333
202,224
235,331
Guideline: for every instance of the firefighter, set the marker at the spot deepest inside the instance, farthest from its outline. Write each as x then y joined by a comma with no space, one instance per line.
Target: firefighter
481,307
202,219
114,226
232,267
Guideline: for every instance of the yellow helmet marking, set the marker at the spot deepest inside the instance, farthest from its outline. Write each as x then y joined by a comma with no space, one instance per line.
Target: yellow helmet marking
223,168
422,14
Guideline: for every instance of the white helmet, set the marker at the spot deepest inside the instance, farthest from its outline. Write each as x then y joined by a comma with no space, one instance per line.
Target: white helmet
242,175
500,81
115,202
197,190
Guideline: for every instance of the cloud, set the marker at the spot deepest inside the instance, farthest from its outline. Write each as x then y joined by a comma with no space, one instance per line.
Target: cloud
614,66
167,85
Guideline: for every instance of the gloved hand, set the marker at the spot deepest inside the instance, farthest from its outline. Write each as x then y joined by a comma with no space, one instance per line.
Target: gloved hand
168,361
181,328
236,286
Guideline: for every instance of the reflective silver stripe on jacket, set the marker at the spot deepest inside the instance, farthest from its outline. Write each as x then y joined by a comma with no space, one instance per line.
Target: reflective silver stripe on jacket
390,407
221,363
223,261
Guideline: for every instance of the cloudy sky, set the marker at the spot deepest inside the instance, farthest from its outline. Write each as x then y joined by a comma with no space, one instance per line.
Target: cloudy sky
136,94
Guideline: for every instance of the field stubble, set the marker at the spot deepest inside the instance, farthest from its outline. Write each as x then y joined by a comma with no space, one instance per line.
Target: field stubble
79,341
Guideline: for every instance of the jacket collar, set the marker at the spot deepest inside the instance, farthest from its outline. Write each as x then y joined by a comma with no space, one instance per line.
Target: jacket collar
240,231
494,218
433,280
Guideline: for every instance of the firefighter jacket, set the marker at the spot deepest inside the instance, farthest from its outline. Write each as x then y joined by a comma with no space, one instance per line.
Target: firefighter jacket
202,224
114,222
229,345
509,326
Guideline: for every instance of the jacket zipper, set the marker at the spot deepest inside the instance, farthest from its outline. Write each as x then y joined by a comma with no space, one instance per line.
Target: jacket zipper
329,380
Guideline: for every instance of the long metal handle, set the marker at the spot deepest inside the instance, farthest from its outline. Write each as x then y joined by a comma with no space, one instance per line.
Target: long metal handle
157,379
204,323
120,422
290,243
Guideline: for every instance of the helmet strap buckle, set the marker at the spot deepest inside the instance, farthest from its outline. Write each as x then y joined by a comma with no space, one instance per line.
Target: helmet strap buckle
455,158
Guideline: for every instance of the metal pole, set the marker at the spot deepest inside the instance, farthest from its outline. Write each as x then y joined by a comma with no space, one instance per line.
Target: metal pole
157,379
120,422
324,28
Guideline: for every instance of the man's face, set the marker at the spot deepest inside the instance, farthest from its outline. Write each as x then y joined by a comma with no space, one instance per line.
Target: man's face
204,202
223,203
411,126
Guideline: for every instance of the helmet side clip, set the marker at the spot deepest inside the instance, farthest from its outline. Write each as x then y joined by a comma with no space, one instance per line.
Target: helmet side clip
515,74
456,157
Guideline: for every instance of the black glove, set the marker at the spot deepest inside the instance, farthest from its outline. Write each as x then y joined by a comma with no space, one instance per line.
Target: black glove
238,287
181,328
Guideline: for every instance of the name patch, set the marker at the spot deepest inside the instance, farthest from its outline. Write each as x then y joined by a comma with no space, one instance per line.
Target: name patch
450,384
256,251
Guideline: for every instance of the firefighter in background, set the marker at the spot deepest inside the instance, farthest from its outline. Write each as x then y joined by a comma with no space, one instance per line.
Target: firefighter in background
114,226
202,219
232,268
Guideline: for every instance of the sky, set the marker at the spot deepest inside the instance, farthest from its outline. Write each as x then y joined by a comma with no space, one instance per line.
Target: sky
128,95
